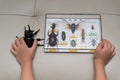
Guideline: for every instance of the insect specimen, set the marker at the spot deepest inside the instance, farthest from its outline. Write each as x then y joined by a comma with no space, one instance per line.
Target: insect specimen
73,43
72,26
93,41
83,35
92,27
52,40
63,35
93,33
29,36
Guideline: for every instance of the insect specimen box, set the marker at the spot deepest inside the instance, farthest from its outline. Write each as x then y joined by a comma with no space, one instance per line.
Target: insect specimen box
72,32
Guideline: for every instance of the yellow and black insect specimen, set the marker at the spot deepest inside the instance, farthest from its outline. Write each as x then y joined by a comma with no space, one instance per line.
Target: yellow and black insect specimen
52,40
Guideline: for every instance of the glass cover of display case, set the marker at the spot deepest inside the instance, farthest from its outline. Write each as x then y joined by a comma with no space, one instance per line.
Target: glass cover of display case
72,32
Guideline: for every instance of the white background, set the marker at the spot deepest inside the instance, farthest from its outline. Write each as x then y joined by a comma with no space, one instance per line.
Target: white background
62,25
56,66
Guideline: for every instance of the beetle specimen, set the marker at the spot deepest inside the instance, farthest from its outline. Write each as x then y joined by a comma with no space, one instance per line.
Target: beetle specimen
83,35
73,27
52,40
63,35
29,36
92,27
73,43
93,33
93,41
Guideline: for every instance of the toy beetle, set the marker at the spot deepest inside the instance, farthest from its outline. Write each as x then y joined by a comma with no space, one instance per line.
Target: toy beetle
29,36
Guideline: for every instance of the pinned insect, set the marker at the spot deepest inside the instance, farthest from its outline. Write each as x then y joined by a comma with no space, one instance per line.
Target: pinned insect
73,43
92,27
73,26
93,42
29,36
83,35
63,35
93,33
52,40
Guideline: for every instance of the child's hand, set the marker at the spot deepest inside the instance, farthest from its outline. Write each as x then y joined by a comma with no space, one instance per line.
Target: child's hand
22,53
104,52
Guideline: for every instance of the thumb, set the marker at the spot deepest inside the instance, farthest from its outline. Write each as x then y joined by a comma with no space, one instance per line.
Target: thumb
34,46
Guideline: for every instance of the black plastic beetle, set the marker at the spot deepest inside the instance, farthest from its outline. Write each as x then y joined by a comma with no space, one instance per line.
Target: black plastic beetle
52,40
29,36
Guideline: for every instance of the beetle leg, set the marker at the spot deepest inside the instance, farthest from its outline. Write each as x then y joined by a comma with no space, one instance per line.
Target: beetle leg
57,42
48,33
47,42
57,33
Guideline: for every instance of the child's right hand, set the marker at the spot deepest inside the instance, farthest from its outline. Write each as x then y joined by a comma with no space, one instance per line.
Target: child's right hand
104,52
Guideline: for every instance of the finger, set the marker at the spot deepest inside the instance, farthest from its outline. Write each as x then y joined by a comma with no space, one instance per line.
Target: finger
22,41
105,40
17,42
34,46
114,52
113,48
13,52
105,44
21,38
14,47
109,45
100,46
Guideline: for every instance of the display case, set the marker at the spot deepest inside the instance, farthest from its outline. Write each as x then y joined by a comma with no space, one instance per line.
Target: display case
72,32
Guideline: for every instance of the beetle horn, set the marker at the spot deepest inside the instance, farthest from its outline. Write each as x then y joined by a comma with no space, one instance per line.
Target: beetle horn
25,28
29,27
36,32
